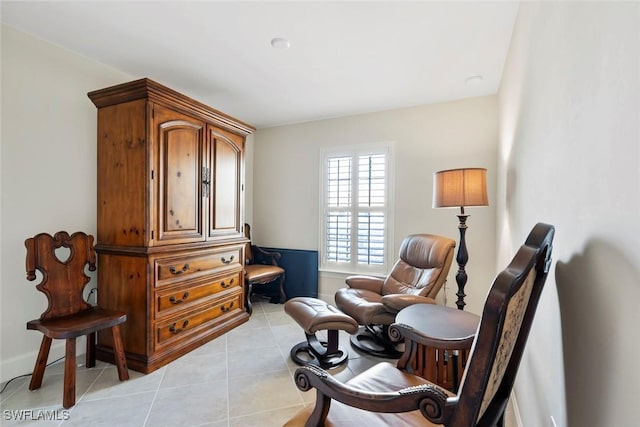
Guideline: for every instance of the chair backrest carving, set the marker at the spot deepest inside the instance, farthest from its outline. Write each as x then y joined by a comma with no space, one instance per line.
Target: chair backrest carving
422,267
504,327
63,281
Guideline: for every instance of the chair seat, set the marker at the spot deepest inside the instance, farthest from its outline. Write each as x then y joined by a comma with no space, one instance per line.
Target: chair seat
383,377
262,272
364,306
78,324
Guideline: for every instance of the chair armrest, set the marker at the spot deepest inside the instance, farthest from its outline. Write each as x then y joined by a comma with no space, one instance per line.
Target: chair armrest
397,331
393,303
369,283
265,257
430,399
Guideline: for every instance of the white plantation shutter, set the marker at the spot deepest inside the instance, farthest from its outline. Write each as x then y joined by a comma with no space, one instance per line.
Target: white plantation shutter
371,238
371,204
355,210
338,218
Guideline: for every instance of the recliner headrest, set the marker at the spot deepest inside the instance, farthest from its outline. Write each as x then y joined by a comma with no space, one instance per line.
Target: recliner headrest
425,250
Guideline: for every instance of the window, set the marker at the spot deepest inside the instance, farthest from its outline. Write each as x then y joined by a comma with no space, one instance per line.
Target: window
356,209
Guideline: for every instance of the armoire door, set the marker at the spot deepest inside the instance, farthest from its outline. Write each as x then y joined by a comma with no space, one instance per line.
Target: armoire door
179,176
225,202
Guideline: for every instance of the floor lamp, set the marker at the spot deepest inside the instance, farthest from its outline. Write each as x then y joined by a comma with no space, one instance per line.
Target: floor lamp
460,188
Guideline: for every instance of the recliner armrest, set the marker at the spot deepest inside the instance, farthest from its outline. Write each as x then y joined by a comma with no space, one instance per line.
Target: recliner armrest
369,283
396,302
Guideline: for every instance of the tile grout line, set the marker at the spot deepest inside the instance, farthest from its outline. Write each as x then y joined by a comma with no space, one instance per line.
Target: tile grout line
226,357
17,388
267,411
85,393
134,393
153,401
280,350
289,368
92,384
226,352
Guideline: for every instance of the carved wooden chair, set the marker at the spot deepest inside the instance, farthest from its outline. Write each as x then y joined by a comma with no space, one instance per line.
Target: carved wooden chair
387,396
68,315
261,268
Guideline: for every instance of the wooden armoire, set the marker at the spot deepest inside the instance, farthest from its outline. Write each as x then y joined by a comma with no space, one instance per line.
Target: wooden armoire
170,221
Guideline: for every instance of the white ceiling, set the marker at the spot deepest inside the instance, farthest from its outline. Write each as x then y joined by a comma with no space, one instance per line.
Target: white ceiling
345,57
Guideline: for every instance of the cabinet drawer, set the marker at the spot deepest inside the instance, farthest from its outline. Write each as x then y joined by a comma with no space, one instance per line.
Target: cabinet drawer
183,325
169,270
178,298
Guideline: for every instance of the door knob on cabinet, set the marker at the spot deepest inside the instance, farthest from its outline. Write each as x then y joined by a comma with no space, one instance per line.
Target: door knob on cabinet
205,181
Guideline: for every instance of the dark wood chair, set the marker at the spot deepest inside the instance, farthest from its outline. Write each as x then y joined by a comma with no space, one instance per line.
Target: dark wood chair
68,315
261,268
387,396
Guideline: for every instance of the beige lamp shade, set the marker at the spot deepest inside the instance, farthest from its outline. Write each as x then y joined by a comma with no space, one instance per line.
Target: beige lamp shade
460,187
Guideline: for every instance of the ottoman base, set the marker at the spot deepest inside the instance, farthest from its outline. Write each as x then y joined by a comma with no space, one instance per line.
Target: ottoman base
325,354
315,315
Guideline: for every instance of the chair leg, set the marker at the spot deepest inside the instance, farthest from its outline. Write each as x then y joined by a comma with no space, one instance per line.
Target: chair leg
118,354
69,394
247,298
41,363
283,296
91,350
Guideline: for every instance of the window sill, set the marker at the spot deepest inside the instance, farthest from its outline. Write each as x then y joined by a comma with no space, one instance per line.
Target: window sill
341,274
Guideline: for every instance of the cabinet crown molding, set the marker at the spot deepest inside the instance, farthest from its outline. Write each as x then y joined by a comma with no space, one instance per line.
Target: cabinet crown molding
146,88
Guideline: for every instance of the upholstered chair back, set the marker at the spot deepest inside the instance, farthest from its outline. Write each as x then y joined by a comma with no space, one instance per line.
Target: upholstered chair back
248,253
422,267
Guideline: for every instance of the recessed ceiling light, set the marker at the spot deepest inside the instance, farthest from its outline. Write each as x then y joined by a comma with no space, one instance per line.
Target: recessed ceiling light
472,80
280,43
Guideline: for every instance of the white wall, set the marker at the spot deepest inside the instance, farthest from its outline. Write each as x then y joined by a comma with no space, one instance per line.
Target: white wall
427,139
248,180
48,173
570,156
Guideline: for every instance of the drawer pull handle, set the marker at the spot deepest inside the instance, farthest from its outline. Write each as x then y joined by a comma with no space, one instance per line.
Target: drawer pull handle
173,270
178,301
226,285
227,261
226,309
173,329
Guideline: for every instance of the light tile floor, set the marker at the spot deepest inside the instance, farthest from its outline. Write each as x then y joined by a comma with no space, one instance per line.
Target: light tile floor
243,378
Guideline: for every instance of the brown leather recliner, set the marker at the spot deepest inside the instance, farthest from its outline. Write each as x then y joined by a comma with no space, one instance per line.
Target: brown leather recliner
416,277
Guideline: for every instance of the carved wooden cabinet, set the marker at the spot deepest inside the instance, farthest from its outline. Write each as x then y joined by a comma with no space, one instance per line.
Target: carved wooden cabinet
170,241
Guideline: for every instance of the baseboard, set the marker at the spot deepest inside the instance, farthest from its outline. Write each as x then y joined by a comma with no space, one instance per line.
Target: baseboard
24,363
516,419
